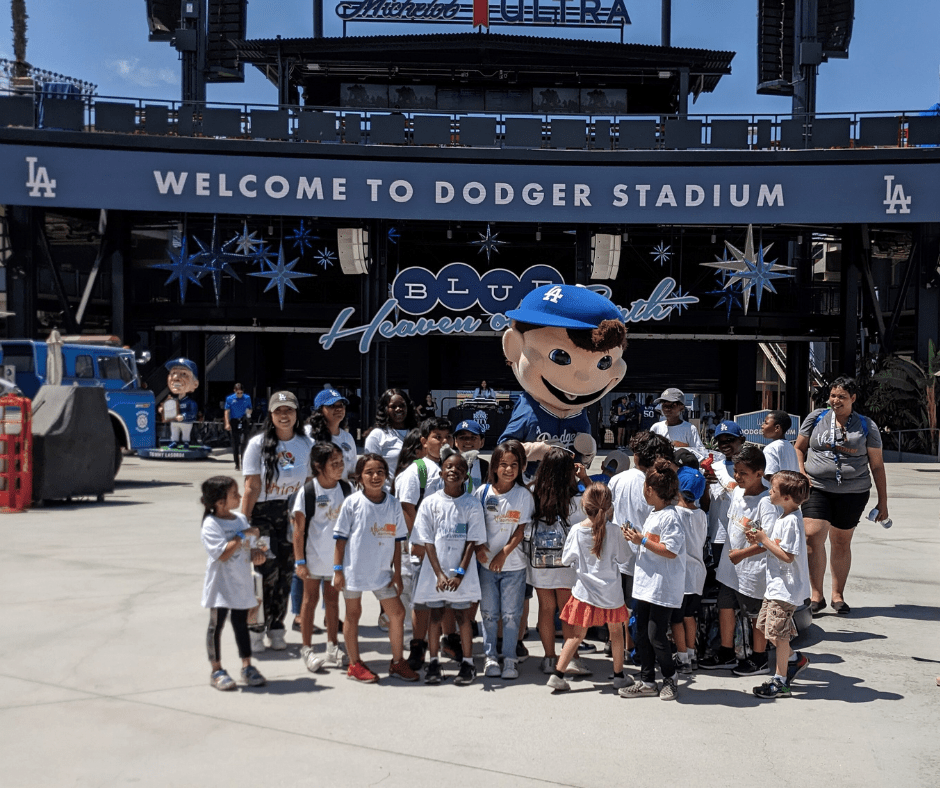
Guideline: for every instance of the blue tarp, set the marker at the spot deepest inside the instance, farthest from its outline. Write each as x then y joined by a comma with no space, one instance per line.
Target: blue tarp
52,91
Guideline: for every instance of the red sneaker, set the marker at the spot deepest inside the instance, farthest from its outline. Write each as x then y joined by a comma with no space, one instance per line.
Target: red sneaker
402,670
359,671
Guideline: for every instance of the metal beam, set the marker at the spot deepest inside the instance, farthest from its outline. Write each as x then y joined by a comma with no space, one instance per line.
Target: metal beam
70,325
902,295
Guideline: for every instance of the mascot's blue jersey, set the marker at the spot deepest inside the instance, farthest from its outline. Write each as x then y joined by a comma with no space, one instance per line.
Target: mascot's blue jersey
531,422
189,409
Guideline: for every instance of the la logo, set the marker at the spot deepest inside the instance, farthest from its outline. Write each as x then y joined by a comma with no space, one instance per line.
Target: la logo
39,180
554,295
895,197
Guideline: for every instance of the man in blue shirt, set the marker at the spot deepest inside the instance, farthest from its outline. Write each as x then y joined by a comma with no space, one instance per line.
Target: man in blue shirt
237,415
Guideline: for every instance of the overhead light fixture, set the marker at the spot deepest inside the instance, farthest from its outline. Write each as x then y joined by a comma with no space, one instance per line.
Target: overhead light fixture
626,236
665,74
450,234
538,233
799,239
713,238
605,256
353,247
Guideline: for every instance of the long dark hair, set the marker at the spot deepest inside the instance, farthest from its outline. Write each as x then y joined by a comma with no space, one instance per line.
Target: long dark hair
319,429
517,450
321,454
663,481
215,489
381,412
596,502
410,447
554,486
269,448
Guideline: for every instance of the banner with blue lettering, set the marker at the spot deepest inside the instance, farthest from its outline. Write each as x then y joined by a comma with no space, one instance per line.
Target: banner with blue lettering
750,423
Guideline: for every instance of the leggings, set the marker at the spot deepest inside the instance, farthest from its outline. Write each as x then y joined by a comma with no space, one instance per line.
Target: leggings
652,624
217,616
270,517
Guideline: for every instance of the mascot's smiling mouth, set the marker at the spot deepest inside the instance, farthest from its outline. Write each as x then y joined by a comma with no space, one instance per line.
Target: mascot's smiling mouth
573,399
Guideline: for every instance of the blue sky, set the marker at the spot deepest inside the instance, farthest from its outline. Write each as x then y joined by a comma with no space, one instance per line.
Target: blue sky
893,63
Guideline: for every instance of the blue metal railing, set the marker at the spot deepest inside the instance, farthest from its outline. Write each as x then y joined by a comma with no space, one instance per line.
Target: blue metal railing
370,126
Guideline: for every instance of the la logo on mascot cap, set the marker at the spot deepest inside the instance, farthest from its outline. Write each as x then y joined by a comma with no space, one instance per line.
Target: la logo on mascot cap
565,346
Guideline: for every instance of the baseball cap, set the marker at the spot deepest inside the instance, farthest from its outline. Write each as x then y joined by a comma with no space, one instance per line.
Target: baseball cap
670,395
279,398
183,362
328,397
691,481
565,306
728,428
616,462
469,425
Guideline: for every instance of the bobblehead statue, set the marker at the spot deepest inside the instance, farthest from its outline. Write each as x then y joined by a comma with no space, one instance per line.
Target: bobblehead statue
565,346
179,410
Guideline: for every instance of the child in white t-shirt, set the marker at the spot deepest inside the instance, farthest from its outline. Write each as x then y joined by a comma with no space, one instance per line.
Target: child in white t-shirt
508,507
695,527
787,579
779,453
658,584
367,557
316,508
449,526
229,589
679,431
595,548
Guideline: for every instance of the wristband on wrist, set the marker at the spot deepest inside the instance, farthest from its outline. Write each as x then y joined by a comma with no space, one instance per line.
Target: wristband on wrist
300,562
460,571
643,541
337,567
240,535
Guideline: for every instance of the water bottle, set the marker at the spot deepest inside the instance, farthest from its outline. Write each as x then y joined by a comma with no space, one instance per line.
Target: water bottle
873,516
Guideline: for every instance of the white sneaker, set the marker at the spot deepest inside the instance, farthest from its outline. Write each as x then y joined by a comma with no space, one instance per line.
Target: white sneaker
548,664
383,622
557,684
491,668
509,669
276,640
577,668
335,656
311,660
257,641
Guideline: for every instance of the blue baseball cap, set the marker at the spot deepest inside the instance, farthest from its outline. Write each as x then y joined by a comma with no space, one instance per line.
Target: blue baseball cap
328,397
469,426
729,428
565,306
691,481
183,362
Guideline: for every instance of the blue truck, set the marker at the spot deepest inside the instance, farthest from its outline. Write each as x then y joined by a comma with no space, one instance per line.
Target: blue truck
132,408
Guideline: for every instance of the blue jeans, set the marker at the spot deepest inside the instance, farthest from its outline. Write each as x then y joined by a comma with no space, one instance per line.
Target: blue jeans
296,594
501,597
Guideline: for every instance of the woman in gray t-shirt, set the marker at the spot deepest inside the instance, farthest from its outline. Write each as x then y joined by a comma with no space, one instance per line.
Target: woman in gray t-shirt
840,451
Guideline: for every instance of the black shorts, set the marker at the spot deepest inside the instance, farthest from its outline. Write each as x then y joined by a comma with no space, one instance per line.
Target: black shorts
626,583
691,604
840,510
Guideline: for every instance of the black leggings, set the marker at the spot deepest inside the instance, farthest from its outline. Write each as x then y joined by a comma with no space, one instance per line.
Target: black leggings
652,624
271,519
217,616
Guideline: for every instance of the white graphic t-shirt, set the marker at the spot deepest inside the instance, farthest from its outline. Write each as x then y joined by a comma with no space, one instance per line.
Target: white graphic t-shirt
747,576
293,465
657,579
788,582
346,445
504,513
318,550
630,507
228,583
371,530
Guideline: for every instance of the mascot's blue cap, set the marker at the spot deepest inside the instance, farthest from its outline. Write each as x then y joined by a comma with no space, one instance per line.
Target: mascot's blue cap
183,362
565,306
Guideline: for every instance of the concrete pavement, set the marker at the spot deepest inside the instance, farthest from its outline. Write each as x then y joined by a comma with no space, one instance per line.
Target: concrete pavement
104,678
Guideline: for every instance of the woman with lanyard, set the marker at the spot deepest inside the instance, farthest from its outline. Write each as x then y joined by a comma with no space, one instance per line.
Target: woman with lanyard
394,416
276,465
328,424
837,447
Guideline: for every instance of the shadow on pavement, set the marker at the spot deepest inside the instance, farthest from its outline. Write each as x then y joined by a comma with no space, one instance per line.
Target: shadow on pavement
815,634
288,686
835,686
911,612
139,484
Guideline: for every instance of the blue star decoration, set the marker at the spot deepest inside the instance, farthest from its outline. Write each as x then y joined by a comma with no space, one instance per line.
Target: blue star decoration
183,268
681,300
393,235
263,255
661,253
325,258
750,269
282,275
729,298
217,261
488,243
302,238
246,244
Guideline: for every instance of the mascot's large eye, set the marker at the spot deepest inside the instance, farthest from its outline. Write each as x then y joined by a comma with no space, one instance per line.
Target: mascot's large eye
560,357
605,363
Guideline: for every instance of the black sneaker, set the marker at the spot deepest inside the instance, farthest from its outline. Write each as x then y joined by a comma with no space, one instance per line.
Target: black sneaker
794,668
718,662
451,647
418,648
466,675
770,690
522,653
433,673
755,665
586,647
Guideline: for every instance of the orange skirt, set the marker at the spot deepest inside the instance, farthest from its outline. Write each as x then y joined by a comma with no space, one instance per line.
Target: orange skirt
581,614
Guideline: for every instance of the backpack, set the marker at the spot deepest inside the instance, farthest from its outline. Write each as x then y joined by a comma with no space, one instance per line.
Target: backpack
310,504
828,410
546,545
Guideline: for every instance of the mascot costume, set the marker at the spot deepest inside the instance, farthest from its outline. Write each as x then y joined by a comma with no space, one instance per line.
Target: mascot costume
180,411
565,346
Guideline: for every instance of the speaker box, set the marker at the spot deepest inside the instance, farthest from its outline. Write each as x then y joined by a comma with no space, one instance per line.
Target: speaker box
353,246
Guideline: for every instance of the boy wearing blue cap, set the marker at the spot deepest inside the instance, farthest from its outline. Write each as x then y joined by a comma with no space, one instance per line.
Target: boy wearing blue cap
695,527
468,436
179,409
565,346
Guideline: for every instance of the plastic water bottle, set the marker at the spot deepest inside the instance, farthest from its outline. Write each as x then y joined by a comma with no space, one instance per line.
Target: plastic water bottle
873,516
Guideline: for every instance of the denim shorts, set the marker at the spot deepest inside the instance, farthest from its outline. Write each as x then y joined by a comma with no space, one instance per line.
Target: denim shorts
437,604
380,593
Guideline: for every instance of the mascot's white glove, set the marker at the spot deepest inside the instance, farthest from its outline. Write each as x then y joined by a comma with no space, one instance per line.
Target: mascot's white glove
586,446
536,451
